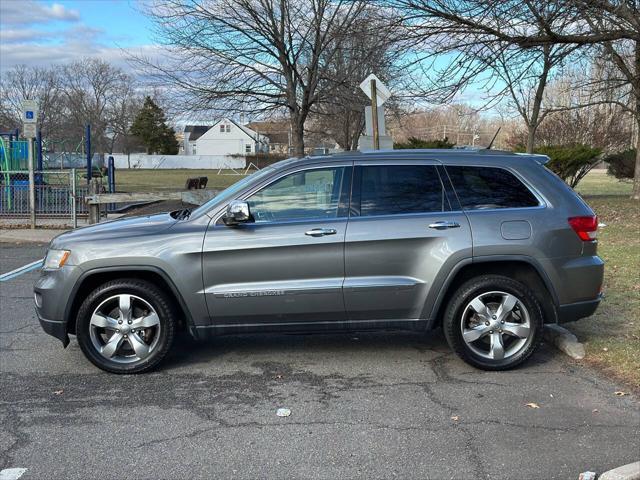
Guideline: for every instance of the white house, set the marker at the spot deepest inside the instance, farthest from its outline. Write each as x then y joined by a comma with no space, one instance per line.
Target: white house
191,134
227,137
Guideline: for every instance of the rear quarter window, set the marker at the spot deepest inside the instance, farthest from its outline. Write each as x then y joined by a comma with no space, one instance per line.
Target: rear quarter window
489,187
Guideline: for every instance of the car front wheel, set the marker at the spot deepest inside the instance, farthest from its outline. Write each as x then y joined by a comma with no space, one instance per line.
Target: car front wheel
493,322
126,326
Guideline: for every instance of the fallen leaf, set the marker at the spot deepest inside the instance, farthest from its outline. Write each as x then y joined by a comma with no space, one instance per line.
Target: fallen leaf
58,392
455,418
595,410
605,349
532,405
620,393
279,377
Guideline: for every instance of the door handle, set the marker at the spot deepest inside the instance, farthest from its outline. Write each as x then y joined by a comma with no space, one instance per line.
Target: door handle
444,225
321,232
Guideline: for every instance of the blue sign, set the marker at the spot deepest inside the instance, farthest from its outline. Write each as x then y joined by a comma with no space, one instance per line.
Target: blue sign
29,114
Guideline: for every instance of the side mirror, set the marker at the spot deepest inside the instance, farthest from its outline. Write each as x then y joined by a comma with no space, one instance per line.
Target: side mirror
237,212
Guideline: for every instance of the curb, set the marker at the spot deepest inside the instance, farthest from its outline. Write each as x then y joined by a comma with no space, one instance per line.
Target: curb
625,472
564,340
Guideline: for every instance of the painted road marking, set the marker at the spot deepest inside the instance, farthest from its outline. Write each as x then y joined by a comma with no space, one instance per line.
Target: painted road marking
19,271
12,473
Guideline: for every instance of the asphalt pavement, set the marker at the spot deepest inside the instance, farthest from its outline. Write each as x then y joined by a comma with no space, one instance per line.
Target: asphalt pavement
383,405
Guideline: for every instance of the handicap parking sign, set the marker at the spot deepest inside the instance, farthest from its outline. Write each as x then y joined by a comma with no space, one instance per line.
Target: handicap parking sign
29,114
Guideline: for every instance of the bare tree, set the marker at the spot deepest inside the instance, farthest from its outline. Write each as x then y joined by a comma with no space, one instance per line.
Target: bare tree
371,47
612,27
252,56
120,114
92,89
31,83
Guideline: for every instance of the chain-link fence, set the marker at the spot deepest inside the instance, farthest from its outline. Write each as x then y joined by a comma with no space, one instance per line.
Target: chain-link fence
58,194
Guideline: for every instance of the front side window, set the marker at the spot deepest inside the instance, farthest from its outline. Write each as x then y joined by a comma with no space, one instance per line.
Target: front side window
247,148
400,189
489,187
309,194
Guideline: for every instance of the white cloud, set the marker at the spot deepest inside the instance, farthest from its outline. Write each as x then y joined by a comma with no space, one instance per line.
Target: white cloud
23,35
28,12
71,49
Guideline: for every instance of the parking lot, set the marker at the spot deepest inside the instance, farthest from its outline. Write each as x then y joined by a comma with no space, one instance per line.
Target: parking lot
378,405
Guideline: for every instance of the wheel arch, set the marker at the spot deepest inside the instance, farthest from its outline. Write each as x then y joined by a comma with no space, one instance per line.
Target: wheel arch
519,267
93,278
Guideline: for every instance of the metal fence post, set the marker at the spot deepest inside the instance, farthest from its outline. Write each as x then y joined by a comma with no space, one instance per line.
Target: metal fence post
32,185
87,143
94,208
74,214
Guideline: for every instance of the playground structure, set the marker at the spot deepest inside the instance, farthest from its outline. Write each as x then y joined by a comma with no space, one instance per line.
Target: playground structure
61,179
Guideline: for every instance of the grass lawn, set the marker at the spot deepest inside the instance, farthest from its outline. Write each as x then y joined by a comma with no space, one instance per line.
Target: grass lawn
142,180
612,335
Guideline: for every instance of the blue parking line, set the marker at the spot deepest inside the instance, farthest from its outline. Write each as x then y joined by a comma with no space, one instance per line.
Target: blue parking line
19,271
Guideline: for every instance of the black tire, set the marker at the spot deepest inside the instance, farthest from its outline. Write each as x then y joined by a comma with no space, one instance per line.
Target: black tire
146,291
452,321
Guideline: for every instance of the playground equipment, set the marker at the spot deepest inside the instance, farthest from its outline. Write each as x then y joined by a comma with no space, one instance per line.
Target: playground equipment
61,179
14,157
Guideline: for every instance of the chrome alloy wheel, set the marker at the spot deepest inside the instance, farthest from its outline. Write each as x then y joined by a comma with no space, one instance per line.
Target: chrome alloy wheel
495,325
124,328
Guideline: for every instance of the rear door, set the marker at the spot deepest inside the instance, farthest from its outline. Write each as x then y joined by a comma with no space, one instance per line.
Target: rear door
405,232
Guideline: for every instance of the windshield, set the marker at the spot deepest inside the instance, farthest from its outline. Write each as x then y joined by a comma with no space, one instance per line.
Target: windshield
230,192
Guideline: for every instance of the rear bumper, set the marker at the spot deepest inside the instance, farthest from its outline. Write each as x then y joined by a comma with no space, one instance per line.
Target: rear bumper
575,311
54,328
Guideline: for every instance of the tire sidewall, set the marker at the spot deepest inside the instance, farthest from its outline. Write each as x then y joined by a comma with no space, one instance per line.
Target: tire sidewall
478,286
139,288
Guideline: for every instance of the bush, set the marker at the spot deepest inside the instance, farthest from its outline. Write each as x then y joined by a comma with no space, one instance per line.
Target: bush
413,143
622,165
570,162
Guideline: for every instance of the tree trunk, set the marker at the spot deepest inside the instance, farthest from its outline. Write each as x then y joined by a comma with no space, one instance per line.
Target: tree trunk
636,175
297,136
636,90
531,136
534,121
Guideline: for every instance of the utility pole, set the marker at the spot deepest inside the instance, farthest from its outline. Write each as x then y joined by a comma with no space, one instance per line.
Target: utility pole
374,114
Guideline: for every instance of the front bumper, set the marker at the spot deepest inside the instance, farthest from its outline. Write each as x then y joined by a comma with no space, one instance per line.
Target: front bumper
55,328
52,292
575,311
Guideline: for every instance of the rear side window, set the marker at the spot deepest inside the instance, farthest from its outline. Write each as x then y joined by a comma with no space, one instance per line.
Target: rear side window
398,189
487,187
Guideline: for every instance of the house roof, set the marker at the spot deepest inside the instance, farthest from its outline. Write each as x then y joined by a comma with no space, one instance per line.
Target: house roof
269,126
247,131
279,137
195,131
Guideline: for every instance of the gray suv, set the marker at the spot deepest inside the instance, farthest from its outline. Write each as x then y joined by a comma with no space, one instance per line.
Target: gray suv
488,245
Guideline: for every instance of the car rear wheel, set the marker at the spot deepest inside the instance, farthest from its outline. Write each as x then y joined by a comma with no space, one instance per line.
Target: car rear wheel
493,322
126,326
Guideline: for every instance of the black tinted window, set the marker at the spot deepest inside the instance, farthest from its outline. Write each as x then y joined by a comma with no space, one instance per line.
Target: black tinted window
486,187
396,189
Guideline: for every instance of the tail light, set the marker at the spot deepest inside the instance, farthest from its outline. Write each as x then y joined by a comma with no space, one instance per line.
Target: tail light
585,227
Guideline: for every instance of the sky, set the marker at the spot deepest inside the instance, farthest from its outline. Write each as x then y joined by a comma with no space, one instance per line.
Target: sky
45,32
42,32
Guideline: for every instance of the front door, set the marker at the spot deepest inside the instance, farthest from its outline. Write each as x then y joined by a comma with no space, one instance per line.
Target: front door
285,268
406,231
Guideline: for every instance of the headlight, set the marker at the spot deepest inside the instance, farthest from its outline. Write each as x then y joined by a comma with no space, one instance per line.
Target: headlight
55,259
